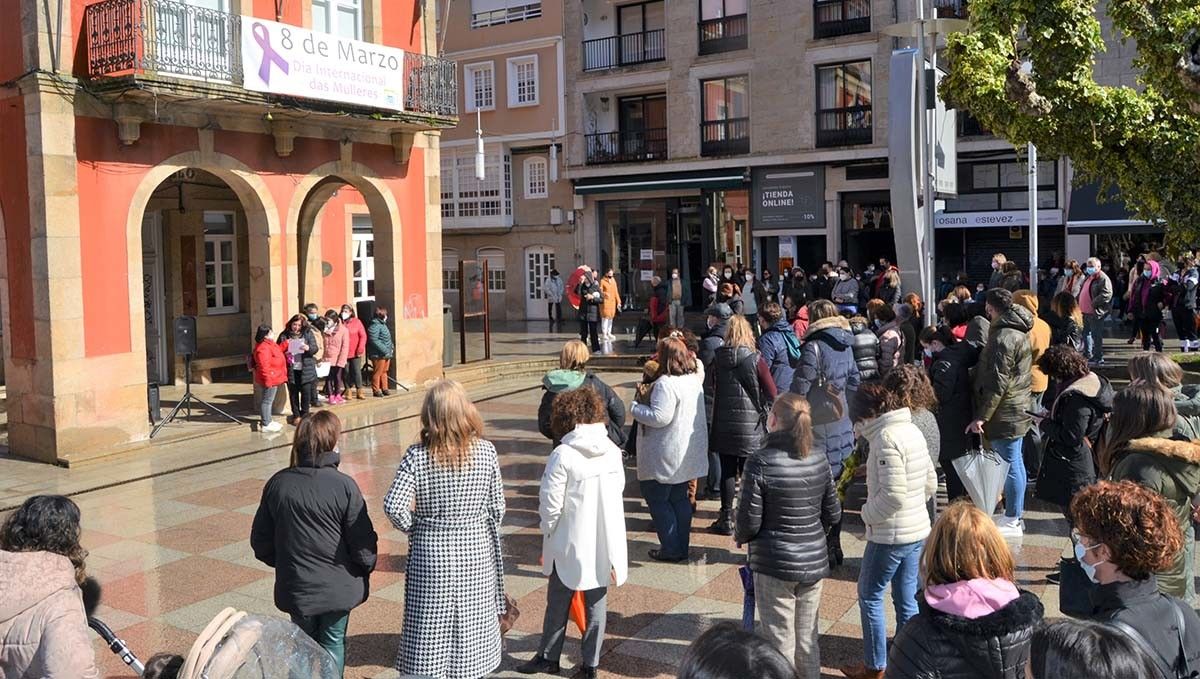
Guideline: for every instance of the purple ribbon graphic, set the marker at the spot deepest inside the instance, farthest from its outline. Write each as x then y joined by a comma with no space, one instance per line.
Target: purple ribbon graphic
270,56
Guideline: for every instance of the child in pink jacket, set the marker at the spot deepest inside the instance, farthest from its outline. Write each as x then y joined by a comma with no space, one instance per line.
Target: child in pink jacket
337,353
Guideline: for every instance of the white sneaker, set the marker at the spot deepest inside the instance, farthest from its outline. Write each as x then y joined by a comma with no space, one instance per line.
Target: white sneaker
1010,526
272,428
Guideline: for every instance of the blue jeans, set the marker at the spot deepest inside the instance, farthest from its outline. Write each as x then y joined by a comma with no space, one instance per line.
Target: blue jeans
881,564
329,631
671,512
267,406
1014,485
1093,337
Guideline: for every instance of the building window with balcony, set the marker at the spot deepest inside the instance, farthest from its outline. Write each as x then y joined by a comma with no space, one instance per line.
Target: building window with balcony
220,263
640,38
495,12
841,17
495,268
468,201
724,26
725,115
523,81
844,104
536,173
480,87
339,17
641,133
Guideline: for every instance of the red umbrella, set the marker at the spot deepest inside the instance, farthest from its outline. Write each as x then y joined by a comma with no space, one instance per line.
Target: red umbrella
573,287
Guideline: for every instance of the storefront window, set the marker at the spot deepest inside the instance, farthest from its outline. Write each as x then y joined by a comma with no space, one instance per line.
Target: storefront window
1002,185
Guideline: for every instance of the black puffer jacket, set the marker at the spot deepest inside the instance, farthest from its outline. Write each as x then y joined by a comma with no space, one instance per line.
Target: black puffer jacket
1069,436
313,529
866,351
786,505
612,403
950,374
712,338
937,645
738,414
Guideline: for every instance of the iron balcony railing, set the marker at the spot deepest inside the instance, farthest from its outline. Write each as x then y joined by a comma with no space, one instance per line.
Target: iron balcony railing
177,39
841,17
624,50
628,146
729,137
724,34
844,126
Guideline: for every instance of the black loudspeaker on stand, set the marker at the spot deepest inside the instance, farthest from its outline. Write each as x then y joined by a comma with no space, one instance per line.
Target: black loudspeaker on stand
185,345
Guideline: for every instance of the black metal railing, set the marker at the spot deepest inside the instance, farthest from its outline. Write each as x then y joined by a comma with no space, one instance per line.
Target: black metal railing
628,146
729,137
724,34
841,17
624,50
951,9
844,126
177,39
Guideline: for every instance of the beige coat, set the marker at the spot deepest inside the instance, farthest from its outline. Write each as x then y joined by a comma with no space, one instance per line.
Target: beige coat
900,480
43,629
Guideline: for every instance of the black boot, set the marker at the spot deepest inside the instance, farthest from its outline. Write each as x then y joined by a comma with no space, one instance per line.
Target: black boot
539,665
723,525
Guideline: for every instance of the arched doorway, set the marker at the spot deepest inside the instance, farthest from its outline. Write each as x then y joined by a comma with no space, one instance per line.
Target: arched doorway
201,255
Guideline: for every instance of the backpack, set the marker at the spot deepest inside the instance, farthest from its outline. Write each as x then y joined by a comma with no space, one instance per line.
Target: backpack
1180,669
793,346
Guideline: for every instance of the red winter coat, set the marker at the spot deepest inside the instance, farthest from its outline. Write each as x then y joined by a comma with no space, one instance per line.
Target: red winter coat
358,337
658,316
270,366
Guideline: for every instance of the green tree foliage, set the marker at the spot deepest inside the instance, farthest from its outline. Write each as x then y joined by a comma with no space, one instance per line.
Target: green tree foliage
1143,141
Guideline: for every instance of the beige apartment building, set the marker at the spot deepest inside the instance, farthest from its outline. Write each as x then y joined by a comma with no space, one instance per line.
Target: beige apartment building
510,57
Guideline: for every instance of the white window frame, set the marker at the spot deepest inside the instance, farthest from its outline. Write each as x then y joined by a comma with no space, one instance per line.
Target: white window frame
467,202
218,277
531,187
469,71
497,278
362,239
450,274
331,9
514,83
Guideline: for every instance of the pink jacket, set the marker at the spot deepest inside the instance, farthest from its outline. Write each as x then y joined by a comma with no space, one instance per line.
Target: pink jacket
43,629
358,337
337,347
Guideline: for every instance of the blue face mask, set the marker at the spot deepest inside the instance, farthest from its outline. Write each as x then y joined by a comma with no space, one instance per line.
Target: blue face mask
1089,569
1091,271
1148,274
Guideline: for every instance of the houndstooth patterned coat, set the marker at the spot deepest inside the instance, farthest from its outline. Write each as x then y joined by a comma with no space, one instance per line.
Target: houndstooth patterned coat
454,586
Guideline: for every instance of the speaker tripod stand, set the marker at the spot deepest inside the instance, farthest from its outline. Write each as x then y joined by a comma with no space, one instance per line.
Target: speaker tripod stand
187,400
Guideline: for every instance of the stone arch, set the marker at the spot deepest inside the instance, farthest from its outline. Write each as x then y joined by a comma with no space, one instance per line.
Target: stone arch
310,196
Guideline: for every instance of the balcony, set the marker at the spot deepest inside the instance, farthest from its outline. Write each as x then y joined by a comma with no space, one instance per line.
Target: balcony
845,126
630,146
832,18
729,137
725,34
951,9
615,51
166,47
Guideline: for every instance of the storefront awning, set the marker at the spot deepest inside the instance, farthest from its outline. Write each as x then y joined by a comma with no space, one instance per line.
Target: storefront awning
1091,214
733,178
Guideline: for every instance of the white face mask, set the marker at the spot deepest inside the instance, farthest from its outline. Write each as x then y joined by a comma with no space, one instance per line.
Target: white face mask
996,266
844,276
728,274
674,274
1089,569
345,315
749,277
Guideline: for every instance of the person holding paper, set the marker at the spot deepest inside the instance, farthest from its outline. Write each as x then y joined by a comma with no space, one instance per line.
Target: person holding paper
299,346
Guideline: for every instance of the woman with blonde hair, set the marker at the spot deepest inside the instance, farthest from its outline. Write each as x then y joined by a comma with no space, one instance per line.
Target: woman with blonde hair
787,504
742,390
449,497
973,621
672,446
572,374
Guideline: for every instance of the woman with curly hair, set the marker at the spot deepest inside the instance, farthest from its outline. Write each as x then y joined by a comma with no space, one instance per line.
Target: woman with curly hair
911,386
1124,533
1072,428
43,627
1140,446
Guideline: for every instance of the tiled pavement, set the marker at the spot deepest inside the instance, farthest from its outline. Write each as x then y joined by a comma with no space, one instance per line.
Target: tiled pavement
171,551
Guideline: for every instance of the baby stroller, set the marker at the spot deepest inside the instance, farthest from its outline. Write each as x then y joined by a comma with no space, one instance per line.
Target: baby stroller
236,645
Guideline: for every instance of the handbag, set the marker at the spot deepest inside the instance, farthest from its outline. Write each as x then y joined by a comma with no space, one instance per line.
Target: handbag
824,400
1074,590
510,616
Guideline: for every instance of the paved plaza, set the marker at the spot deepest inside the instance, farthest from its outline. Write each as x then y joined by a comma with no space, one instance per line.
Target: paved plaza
172,550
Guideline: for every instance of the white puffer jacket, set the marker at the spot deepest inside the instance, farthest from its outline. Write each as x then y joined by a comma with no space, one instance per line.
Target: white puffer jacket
43,629
582,510
900,480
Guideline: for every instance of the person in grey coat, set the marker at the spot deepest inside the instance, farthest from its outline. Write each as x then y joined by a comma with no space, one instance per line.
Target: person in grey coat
299,345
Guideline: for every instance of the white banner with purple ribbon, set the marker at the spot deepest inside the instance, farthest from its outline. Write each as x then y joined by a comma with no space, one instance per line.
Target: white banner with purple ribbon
285,59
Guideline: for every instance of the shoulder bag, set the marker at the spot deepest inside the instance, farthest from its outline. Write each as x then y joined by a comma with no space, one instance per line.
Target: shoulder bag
824,400
1179,669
